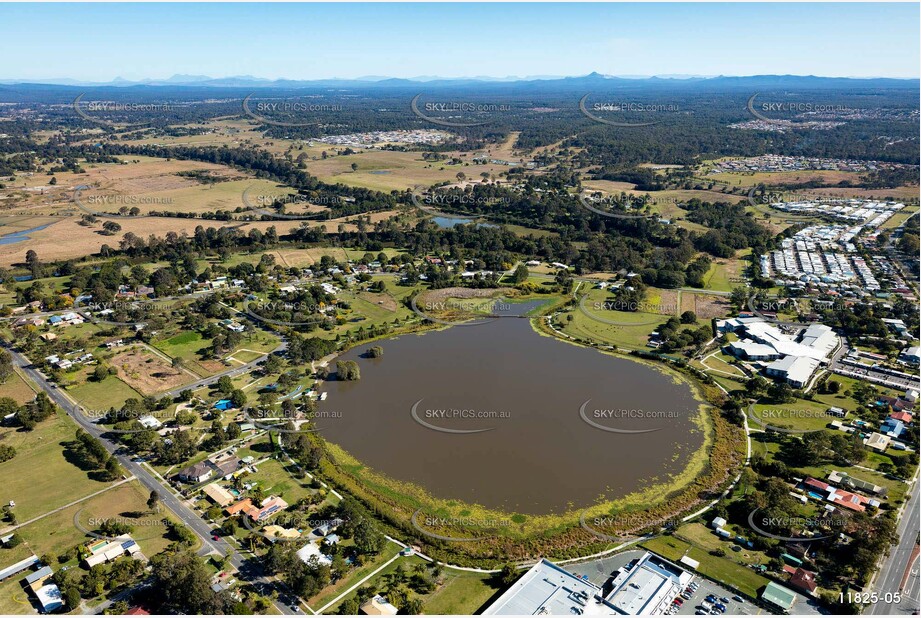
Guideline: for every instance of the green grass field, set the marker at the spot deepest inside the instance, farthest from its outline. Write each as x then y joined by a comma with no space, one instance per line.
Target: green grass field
633,332
40,478
275,480
462,593
722,570
57,533
109,393
13,597
331,592
18,389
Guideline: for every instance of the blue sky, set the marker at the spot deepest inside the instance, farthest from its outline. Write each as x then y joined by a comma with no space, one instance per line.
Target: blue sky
104,41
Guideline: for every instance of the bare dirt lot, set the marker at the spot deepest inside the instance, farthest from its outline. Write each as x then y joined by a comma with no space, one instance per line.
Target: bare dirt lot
707,306
146,372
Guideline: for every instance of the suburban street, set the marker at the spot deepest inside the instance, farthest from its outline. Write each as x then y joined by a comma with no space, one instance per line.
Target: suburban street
248,569
903,558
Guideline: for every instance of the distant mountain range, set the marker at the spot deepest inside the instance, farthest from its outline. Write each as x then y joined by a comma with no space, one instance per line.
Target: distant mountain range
538,82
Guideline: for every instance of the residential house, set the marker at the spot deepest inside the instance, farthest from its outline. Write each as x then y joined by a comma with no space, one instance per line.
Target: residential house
239,507
36,580
892,427
378,606
839,497
149,422
50,598
312,550
266,509
878,442
218,494
105,550
196,473
804,581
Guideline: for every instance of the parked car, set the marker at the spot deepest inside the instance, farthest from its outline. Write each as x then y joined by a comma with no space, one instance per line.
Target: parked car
738,599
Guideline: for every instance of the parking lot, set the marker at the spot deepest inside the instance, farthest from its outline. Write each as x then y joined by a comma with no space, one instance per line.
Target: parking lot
707,588
599,571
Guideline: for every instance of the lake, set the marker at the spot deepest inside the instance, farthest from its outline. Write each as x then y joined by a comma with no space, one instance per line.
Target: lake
544,449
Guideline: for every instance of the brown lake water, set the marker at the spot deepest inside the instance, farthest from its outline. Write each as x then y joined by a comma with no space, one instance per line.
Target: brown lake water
544,449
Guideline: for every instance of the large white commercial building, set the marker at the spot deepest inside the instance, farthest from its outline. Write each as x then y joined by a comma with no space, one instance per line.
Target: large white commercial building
794,358
646,586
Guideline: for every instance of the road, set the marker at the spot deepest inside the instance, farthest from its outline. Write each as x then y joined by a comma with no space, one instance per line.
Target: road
249,569
233,372
902,558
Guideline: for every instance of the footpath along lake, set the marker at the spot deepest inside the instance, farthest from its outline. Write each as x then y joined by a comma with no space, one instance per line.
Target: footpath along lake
545,448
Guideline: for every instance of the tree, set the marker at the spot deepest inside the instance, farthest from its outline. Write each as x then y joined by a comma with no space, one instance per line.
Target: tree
375,351
153,502
238,398
508,575
7,452
33,264
367,539
225,385
183,582
113,468
6,365
688,317
347,371
100,373
739,297
349,607
354,167
413,606
111,227
521,274
781,392
72,597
